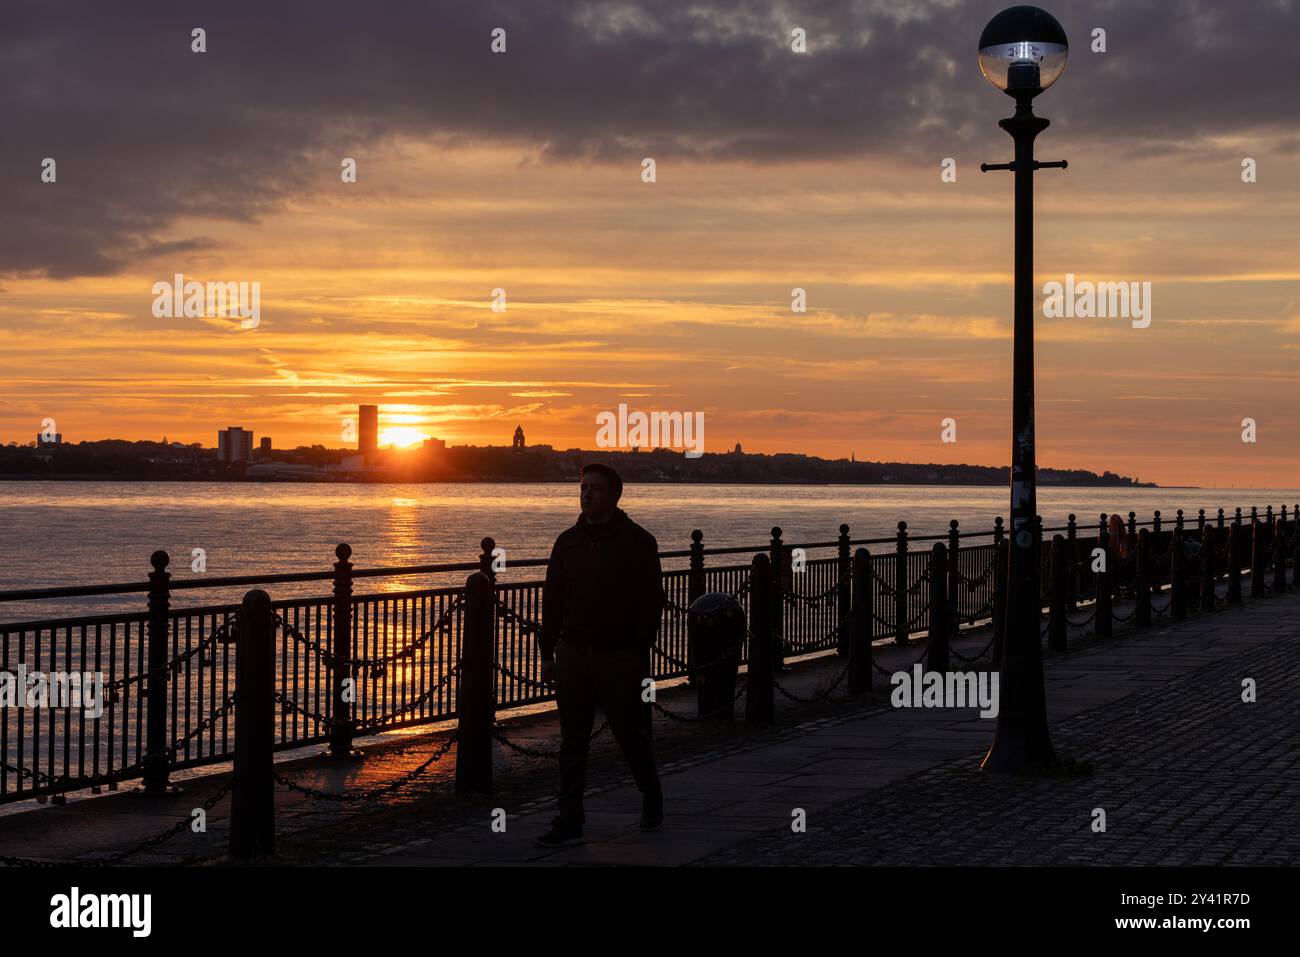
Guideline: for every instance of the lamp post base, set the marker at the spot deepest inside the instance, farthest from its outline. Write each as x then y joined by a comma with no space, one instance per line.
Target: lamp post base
1067,767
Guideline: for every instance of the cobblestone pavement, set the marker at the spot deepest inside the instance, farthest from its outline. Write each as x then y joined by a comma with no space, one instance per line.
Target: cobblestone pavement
312,830
1186,773
1152,710
877,784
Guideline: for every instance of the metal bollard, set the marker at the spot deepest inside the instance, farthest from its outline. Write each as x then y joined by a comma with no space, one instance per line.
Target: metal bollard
860,624
1256,556
1279,560
342,673
760,695
1209,571
1142,617
155,760
252,803
936,652
843,594
1234,564
1177,577
901,630
1102,626
474,695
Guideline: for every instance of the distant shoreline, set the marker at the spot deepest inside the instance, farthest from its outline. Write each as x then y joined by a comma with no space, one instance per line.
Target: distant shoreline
372,480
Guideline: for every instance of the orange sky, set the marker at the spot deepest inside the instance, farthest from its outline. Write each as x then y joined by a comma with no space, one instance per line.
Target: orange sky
675,295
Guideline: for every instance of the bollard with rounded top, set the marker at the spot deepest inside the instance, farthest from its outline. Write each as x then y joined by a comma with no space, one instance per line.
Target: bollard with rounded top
1142,581
760,695
843,594
1209,570
1281,530
1270,526
936,653
954,577
474,696
1155,521
900,586
1072,567
1279,561
1102,626
1220,518
861,624
486,558
695,580
1256,555
781,575
1057,639
342,674
1178,525
155,760
1200,522
1132,526
252,802
1177,577
715,627
1234,564
1242,542
1295,547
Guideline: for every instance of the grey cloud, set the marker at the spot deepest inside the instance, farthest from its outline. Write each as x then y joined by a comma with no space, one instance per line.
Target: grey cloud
144,131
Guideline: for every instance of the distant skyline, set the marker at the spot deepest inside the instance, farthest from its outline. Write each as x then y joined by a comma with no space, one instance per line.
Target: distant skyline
774,171
411,439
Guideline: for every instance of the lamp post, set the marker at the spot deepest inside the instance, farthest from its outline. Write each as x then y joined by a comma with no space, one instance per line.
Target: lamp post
1022,51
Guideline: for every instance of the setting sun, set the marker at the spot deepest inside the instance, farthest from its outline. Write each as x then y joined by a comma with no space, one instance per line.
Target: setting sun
402,437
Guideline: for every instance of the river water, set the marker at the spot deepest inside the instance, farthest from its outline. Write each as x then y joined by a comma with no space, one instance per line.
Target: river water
75,533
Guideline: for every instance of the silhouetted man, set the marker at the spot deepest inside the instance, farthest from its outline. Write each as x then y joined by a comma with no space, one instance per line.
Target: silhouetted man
601,608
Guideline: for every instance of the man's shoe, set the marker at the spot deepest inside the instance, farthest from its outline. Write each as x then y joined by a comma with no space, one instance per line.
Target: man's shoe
652,812
563,833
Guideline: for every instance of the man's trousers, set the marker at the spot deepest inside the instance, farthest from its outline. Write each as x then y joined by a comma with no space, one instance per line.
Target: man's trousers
612,678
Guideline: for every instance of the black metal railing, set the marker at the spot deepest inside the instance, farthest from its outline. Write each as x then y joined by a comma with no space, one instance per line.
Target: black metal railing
352,663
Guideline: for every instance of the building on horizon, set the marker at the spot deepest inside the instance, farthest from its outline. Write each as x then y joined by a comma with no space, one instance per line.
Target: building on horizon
368,429
234,445
518,443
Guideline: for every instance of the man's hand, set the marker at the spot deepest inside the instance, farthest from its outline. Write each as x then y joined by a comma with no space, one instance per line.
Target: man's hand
548,673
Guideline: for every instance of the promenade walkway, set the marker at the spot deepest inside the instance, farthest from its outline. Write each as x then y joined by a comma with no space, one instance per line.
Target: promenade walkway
1186,773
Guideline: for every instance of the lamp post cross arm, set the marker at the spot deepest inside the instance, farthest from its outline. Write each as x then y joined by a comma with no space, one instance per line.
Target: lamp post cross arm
987,167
